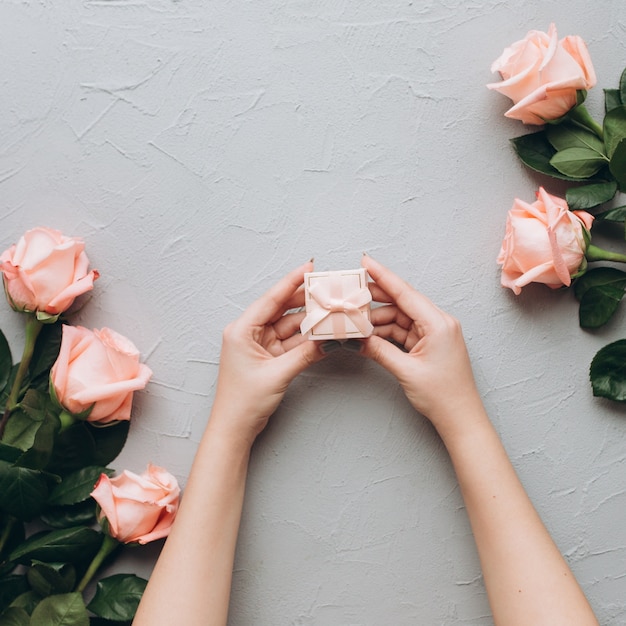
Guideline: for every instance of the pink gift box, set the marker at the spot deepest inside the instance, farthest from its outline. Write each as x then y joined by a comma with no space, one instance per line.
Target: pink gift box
337,305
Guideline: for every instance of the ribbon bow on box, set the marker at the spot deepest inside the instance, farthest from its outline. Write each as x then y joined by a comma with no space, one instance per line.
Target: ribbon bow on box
337,305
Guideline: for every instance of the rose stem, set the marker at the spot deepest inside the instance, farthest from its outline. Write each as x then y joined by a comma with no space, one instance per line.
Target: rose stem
598,254
33,327
109,544
66,419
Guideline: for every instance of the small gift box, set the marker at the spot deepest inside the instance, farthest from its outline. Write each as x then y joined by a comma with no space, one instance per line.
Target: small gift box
337,305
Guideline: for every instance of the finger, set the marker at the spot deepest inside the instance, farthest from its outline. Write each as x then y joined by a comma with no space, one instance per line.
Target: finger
289,343
296,360
389,313
416,305
297,300
273,303
278,347
378,293
385,354
288,324
394,332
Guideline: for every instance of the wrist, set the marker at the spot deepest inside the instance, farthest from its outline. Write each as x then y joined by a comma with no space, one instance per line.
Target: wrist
230,432
457,422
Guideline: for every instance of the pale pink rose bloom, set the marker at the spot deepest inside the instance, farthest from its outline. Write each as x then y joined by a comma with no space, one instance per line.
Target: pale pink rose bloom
45,271
544,243
100,368
542,74
138,508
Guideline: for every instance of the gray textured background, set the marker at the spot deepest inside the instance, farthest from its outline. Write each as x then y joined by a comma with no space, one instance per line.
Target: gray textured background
202,149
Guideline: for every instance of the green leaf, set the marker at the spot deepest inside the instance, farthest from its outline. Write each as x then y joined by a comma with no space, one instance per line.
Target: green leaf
4,393
589,196
10,588
598,277
44,355
599,304
535,151
618,164
608,372
59,546
14,533
40,452
600,291
622,87
117,597
614,128
23,491
569,135
67,609
33,428
14,616
9,453
74,448
6,361
578,163
6,568
612,99
618,214
21,430
27,601
83,513
35,404
49,578
109,441
77,487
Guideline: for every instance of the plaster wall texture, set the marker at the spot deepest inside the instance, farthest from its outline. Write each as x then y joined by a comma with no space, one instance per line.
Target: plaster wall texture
203,149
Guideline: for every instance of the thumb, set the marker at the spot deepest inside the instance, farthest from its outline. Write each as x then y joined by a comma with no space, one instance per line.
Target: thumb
384,353
296,360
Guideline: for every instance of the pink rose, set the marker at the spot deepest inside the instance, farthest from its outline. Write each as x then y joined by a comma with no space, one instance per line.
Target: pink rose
138,508
45,271
544,243
542,75
99,368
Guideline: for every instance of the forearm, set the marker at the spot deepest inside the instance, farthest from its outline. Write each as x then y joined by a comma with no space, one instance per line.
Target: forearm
527,579
194,570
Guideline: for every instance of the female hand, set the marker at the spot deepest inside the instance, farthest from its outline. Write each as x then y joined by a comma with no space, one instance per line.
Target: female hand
434,369
262,352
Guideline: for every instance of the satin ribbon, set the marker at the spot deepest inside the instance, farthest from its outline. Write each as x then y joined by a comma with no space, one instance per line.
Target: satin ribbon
328,294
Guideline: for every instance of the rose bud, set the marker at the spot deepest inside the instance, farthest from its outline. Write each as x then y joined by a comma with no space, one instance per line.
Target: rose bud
45,271
97,369
542,75
137,508
545,243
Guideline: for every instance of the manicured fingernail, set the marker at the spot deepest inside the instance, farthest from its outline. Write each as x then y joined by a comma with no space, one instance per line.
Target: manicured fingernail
354,345
330,346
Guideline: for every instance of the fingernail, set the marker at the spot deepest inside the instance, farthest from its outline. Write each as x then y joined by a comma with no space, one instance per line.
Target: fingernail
365,254
354,345
312,259
330,346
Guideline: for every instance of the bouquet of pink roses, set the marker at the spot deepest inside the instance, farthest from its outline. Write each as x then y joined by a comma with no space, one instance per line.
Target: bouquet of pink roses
549,241
64,418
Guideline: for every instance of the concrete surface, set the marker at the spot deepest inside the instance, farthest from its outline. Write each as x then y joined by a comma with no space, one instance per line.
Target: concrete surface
202,149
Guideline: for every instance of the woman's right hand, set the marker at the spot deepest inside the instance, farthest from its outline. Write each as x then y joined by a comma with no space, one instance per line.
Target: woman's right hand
434,368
